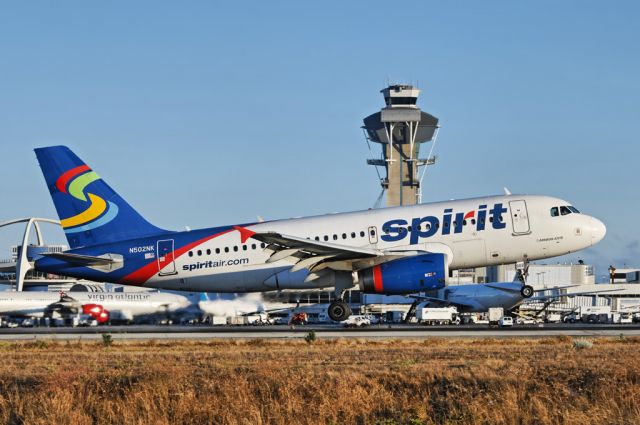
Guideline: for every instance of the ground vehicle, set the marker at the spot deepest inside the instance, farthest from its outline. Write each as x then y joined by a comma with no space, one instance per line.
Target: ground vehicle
553,318
505,321
299,319
528,320
357,321
495,314
27,323
438,316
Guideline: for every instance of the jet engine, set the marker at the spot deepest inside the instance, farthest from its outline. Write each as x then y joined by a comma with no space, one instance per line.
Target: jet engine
405,275
97,312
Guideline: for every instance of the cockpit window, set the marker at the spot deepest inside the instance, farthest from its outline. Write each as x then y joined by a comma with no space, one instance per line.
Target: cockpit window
564,210
554,212
573,209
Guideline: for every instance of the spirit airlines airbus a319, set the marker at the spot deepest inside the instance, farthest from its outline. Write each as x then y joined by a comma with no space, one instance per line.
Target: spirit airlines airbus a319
399,250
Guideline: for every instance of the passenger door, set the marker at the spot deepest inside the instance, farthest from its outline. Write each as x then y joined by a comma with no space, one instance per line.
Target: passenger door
519,217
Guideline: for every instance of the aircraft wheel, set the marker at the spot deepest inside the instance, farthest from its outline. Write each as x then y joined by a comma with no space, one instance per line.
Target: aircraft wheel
526,291
339,311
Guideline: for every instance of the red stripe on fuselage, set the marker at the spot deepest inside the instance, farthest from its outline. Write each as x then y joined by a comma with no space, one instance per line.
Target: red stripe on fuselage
62,181
144,273
377,279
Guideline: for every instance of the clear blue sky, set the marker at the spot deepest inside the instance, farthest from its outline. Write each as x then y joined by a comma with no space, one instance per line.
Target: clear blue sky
203,113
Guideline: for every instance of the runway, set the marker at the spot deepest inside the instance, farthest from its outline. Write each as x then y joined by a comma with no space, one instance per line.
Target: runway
321,331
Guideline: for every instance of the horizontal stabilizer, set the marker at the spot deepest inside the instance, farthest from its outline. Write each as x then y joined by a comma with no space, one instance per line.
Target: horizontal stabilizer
84,260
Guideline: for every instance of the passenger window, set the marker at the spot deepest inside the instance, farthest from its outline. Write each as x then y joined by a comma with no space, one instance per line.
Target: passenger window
335,237
263,245
326,238
244,247
217,250
226,249
190,253
353,235
199,253
208,252
235,248
362,234
253,246
344,236
554,212
564,211
317,238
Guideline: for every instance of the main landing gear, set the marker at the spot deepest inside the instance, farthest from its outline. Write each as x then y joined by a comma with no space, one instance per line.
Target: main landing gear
339,311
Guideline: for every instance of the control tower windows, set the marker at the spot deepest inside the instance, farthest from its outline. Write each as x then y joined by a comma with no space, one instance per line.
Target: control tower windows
402,100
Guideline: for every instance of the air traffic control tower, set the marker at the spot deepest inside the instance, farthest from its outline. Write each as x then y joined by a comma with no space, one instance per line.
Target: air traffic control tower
400,128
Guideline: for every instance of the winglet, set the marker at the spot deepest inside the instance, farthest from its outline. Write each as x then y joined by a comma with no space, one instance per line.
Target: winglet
244,233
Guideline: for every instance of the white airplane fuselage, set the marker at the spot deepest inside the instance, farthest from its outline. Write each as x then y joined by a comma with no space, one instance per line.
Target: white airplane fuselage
121,305
472,233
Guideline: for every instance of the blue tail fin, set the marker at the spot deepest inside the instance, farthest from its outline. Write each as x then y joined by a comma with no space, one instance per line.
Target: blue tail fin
89,210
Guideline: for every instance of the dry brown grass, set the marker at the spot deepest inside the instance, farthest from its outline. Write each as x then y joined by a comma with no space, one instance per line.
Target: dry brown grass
433,381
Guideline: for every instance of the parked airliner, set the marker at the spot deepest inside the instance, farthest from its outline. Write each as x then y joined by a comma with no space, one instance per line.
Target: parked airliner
480,297
103,306
398,250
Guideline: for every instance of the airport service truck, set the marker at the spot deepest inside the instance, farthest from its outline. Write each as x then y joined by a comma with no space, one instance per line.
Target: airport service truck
592,314
495,314
438,316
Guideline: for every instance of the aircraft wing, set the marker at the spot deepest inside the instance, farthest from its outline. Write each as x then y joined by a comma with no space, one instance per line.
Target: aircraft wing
316,255
441,301
502,288
82,260
571,294
280,242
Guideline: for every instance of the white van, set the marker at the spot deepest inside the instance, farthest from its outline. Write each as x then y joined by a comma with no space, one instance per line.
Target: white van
505,321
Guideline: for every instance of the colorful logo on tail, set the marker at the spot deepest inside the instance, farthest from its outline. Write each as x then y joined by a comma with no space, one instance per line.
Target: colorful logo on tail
99,212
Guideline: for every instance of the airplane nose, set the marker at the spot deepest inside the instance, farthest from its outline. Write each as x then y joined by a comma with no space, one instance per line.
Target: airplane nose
598,231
